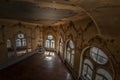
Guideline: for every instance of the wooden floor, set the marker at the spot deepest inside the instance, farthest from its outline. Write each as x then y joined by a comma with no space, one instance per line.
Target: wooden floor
37,67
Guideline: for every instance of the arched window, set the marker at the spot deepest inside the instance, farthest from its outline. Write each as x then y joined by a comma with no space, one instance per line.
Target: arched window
50,37
50,42
103,75
87,70
8,43
20,41
21,44
47,44
70,52
98,55
24,42
61,47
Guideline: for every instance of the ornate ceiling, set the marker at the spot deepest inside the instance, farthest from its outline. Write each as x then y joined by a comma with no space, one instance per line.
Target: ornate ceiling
104,13
31,12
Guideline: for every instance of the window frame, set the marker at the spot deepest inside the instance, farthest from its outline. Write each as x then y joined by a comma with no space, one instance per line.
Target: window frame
69,53
50,43
21,40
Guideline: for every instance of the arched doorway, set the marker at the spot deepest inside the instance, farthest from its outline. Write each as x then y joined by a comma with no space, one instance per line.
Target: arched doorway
94,65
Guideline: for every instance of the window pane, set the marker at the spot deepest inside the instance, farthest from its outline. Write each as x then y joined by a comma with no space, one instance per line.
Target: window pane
71,44
84,70
24,42
47,44
68,56
20,35
98,55
72,60
18,43
8,44
89,75
104,74
87,70
101,59
50,37
94,56
52,44
94,49
98,77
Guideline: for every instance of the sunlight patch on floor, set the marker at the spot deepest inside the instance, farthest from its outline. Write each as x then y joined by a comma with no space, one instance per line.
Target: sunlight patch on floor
48,58
48,53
